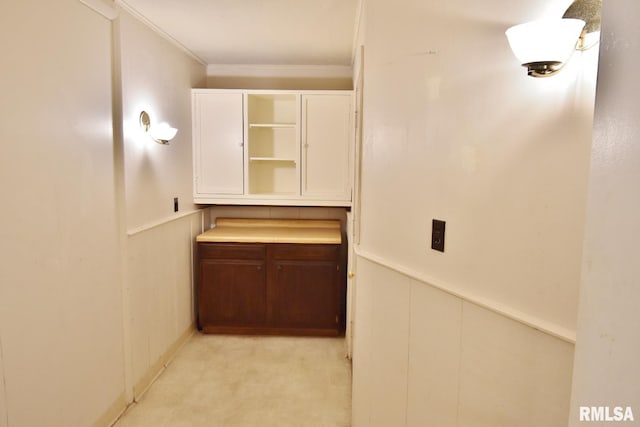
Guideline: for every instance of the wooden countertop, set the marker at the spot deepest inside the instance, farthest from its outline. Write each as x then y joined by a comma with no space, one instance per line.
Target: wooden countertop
304,231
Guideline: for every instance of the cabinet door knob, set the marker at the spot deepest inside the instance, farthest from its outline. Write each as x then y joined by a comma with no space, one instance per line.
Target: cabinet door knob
279,267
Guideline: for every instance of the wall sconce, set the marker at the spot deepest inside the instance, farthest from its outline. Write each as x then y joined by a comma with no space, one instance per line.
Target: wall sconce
161,133
543,47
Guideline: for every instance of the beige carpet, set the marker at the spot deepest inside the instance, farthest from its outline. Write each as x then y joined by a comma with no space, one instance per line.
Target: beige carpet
231,381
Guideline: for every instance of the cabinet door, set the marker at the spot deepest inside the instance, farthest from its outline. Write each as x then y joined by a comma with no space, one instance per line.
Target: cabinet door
326,146
232,293
305,295
218,144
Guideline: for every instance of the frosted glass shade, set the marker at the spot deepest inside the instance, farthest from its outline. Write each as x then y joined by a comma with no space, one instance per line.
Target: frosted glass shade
163,132
545,41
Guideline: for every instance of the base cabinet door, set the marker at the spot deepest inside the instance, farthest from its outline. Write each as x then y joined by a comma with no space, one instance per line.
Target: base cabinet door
234,293
232,286
275,289
308,284
305,295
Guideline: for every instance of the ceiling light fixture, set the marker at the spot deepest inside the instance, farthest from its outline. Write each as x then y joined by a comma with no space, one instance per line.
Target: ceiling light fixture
161,133
545,46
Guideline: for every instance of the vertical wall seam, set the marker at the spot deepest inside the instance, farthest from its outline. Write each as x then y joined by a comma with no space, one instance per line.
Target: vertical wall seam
406,397
101,7
4,384
192,265
460,351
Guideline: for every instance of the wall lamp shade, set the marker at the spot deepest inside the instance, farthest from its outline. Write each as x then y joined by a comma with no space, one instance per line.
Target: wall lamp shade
543,47
161,133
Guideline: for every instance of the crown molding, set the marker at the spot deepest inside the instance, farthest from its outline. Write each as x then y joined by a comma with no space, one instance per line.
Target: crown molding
104,8
355,46
140,17
268,70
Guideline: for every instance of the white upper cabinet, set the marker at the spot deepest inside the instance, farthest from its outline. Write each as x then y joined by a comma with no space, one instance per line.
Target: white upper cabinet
218,144
290,148
327,132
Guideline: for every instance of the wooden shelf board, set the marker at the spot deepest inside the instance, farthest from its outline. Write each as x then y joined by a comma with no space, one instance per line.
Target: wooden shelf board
271,159
272,125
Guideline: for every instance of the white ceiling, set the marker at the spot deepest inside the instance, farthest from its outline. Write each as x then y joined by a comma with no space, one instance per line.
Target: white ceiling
265,32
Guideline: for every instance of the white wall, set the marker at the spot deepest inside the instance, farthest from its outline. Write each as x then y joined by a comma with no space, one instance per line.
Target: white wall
607,350
61,331
502,157
286,212
97,270
156,77
285,77
4,416
454,129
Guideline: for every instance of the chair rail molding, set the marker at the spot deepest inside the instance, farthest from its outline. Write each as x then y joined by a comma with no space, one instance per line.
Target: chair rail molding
527,319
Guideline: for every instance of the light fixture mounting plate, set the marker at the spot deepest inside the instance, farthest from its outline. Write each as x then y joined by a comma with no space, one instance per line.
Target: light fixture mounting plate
588,11
145,121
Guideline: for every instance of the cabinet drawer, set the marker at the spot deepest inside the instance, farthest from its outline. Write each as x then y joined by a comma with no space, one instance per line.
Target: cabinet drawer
304,252
231,251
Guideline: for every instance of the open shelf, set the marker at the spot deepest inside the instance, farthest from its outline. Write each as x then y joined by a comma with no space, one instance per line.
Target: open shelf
273,144
273,125
270,159
272,109
273,176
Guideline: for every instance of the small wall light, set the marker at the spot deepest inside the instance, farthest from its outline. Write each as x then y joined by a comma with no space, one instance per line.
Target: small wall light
161,133
543,47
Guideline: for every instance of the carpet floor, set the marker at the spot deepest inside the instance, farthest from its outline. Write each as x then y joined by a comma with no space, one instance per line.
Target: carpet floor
234,381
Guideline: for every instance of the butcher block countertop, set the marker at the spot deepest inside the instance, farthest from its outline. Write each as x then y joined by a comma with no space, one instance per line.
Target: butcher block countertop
305,231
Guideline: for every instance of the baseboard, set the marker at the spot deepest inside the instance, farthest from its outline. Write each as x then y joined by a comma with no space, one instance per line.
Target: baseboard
114,411
156,369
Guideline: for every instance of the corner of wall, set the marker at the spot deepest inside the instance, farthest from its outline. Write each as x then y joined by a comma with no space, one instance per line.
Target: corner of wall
4,414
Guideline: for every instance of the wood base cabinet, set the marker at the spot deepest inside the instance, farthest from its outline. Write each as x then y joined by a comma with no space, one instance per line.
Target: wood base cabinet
274,289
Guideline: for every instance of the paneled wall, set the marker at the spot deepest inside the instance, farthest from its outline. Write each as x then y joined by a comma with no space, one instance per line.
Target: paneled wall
455,130
156,77
97,269
159,285
423,357
608,348
61,335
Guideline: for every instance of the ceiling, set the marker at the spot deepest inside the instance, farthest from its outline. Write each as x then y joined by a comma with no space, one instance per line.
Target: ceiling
264,32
